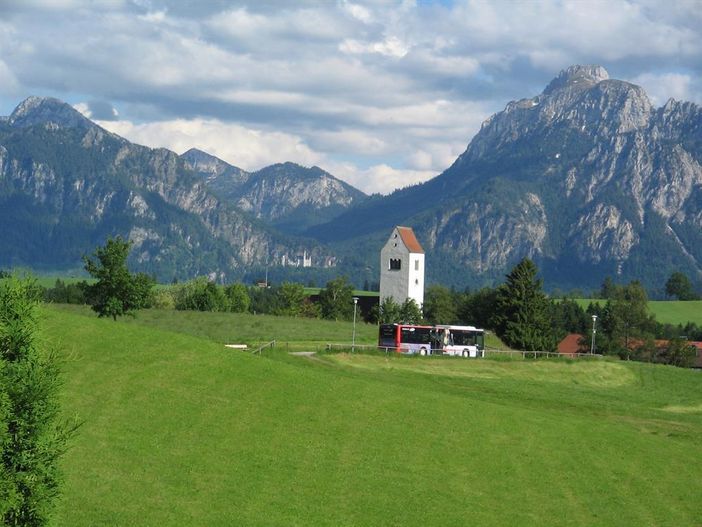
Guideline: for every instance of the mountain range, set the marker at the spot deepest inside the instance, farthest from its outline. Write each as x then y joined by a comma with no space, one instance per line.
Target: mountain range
587,178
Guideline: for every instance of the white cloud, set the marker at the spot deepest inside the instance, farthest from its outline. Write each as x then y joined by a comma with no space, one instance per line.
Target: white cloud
357,11
661,87
246,148
380,178
384,91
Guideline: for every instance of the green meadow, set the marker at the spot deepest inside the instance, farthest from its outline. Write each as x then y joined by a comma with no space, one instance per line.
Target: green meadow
666,311
179,430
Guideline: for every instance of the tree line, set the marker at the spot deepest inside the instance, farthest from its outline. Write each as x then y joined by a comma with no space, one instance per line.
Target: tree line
518,310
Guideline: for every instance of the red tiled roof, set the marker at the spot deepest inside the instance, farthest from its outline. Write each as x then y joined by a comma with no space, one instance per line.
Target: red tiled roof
570,345
410,240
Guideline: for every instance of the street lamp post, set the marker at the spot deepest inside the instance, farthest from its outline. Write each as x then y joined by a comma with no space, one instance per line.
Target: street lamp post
353,337
594,332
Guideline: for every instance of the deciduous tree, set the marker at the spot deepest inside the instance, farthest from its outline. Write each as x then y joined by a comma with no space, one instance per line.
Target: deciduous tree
117,292
336,299
440,305
679,286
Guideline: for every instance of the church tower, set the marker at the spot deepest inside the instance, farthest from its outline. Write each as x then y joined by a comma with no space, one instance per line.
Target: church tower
402,267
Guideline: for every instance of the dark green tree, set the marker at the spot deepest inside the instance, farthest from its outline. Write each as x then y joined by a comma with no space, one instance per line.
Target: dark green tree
607,289
522,319
680,287
410,312
117,292
625,319
336,299
389,311
478,309
568,317
32,437
440,305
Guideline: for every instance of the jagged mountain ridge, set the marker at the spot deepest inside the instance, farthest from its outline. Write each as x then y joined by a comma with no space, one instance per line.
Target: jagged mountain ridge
66,184
288,196
587,178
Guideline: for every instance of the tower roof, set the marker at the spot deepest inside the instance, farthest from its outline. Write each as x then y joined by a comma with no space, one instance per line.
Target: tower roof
410,240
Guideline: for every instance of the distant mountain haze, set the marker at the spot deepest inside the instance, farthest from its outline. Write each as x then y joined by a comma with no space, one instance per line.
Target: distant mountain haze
586,178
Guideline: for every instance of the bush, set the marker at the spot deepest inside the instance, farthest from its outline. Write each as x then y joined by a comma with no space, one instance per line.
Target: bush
200,294
163,299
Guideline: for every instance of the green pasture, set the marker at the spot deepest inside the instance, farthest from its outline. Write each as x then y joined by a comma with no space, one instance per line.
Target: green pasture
179,430
666,311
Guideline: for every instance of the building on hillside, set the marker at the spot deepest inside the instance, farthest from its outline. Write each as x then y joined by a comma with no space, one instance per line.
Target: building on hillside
572,344
402,267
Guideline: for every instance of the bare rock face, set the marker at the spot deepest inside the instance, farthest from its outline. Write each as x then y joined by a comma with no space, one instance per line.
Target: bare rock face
67,184
615,177
588,178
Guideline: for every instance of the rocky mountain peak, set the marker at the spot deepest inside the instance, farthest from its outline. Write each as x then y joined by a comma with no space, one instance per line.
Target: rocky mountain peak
577,76
48,111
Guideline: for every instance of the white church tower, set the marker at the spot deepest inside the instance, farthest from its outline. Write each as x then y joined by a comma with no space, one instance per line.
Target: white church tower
402,267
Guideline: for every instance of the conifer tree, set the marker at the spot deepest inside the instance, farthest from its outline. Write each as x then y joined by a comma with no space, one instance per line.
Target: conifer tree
31,436
522,319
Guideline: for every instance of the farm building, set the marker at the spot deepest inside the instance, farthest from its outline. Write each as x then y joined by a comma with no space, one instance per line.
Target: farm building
402,267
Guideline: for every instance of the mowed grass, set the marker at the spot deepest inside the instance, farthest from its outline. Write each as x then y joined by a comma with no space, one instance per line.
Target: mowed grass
252,330
178,430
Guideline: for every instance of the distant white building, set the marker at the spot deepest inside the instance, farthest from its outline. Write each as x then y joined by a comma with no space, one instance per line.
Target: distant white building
402,267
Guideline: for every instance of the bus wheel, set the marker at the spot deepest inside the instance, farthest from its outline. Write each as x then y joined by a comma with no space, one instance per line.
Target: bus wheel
423,352
465,354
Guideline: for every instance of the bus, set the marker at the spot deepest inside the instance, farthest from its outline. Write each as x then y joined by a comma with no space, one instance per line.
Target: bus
461,341
406,338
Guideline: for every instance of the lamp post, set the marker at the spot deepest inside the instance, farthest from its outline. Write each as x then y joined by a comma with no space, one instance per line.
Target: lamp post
353,337
594,332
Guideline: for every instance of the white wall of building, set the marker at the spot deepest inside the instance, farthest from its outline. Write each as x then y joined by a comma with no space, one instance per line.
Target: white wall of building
408,280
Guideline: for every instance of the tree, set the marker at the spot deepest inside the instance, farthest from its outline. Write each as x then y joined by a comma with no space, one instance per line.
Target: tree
32,437
410,312
479,308
336,299
522,310
568,317
607,289
680,353
292,297
117,292
440,305
679,286
389,311
238,296
199,294
625,318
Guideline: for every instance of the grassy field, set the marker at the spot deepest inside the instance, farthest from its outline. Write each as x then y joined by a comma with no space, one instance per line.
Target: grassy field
666,311
181,431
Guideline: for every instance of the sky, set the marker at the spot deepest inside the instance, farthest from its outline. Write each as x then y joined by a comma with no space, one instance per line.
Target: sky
381,94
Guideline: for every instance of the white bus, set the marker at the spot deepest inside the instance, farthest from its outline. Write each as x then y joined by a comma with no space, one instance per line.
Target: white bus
461,341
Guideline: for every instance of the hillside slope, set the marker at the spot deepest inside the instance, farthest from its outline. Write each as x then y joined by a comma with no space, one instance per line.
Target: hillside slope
180,430
290,197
